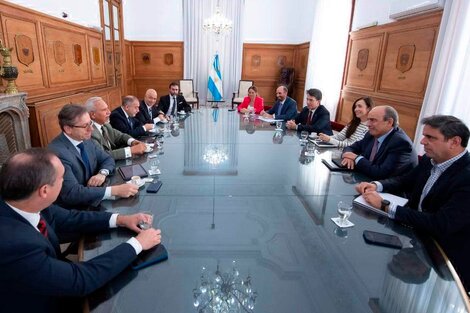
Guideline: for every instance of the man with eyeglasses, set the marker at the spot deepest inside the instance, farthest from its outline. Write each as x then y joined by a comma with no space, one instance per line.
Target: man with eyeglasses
148,109
173,103
86,165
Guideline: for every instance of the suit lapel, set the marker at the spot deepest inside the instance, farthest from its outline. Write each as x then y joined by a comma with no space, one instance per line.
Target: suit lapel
74,151
383,145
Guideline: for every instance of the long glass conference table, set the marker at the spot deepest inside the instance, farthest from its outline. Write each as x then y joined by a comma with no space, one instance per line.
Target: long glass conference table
246,219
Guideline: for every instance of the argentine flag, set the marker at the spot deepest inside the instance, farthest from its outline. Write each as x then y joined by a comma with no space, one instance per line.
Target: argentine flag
215,80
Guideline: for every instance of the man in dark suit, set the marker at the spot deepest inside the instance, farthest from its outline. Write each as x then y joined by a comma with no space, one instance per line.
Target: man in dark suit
86,165
123,118
167,103
148,109
438,191
33,276
285,107
385,150
314,117
119,145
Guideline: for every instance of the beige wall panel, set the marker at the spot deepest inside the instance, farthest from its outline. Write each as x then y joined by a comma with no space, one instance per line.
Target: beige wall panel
63,65
403,71
363,62
23,34
95,45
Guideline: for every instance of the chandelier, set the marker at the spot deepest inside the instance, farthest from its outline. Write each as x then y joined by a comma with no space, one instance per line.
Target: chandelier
214,155
217,23
224,293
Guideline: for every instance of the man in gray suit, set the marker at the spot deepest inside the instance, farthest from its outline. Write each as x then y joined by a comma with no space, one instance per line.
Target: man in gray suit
86,165
119,145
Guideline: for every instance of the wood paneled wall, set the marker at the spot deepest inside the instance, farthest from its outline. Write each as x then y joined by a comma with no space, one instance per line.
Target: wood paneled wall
53,56
58,62
152,65
391,63
262,64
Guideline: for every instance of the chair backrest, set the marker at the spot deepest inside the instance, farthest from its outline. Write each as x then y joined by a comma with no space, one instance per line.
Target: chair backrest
243,86
187,88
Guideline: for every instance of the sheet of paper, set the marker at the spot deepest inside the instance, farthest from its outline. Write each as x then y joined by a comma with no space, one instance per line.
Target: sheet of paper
360,201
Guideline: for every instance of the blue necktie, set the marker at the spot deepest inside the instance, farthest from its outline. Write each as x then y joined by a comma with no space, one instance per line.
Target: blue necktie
131,124
85,159
279,109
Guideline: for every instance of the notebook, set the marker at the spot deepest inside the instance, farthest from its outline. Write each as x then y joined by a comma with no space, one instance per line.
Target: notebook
335,165
152,256
322,144
359,201
128,171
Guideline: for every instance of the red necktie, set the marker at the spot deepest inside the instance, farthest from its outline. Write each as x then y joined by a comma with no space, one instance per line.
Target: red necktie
42,227
309,118
373,152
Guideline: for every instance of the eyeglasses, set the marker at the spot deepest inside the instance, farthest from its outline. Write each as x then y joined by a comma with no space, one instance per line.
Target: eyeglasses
83,126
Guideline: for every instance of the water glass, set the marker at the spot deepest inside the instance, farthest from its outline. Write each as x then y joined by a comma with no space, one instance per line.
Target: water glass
155,167
146,224
303,136
310,149
278,125
344,211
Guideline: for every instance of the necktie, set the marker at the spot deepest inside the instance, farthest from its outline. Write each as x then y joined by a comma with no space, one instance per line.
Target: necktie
150,113
85,159
131,124
106,137
309,118
373,152
42,227
279,109
174,106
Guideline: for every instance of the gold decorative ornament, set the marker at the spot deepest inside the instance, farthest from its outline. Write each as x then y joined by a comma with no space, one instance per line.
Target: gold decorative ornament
7,71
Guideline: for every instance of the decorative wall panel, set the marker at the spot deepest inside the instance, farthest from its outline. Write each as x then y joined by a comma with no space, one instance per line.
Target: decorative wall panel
391,64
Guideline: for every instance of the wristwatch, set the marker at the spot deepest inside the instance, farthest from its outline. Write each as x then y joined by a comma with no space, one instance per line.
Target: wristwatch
384,205
104,172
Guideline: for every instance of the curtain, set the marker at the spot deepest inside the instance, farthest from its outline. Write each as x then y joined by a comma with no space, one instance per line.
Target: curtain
449,80
327,51
200,47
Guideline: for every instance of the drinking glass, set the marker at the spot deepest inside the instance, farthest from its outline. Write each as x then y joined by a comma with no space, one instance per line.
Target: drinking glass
310,149
344,211
278,125
146,224
303,136
155,167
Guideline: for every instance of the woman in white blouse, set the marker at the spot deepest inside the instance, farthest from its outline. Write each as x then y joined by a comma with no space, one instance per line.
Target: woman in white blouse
356,129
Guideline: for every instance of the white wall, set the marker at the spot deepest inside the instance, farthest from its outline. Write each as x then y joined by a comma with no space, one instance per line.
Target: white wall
278,21
368,11
153,20
83,12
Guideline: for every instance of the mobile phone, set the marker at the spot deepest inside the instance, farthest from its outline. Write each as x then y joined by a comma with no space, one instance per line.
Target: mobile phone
154,187
381,239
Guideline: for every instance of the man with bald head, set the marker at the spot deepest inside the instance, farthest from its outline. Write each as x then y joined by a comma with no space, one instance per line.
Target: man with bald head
285,108
385,151
148,109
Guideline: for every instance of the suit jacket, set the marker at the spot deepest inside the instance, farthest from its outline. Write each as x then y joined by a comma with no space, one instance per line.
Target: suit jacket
320,122
117,141
143,115
258,105
395,156
164,104
445,213
119,121
33,278
74,190
288,111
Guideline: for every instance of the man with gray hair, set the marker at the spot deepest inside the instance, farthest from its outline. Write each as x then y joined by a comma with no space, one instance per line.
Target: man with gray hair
385,150
438,190
119,145
123,118
86,165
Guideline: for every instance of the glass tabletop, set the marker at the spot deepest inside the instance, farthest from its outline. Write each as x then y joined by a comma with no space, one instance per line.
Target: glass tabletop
246,219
